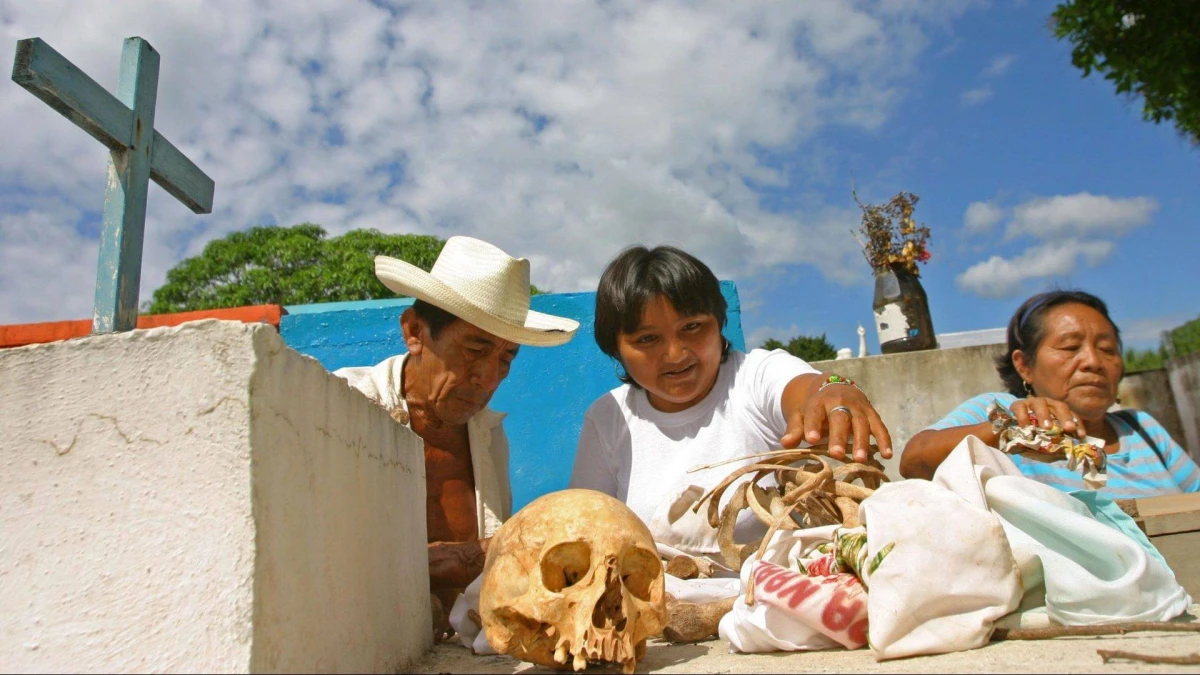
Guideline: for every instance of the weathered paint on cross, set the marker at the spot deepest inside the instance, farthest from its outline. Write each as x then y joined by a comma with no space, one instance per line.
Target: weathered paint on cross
125,124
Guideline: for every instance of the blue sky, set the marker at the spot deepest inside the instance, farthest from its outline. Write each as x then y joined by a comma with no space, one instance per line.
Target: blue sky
563,131
1040,130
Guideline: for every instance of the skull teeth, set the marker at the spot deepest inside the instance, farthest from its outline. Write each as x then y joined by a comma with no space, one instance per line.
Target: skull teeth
599,647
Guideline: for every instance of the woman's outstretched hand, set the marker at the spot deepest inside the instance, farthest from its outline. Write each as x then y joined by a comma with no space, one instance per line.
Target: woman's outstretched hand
1045,413
833,408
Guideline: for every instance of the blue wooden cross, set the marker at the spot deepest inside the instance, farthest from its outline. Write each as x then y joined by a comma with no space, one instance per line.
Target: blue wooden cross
124,123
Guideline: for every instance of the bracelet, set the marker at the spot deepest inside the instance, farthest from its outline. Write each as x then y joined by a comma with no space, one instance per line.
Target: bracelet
838,379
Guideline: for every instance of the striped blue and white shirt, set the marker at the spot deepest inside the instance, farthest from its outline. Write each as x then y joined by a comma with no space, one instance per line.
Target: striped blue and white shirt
1133,471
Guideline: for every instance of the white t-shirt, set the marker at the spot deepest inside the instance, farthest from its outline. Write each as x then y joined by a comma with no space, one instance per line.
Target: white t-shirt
641,455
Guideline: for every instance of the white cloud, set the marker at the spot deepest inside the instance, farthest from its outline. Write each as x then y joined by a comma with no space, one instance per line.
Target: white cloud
977,95
999,65
758,336
996,68
43,236
998,277
1080,214
559,131
981,216
1147,331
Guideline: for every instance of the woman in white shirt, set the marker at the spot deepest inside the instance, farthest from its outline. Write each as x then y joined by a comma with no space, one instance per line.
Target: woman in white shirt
689,399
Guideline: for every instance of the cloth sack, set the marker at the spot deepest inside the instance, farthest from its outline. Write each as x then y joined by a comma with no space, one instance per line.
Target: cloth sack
977,544
469,633
1090,571
949,576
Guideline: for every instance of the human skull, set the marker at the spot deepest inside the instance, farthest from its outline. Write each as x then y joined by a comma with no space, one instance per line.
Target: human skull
575,574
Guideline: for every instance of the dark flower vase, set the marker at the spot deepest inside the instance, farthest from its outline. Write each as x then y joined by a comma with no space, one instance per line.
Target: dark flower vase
902,311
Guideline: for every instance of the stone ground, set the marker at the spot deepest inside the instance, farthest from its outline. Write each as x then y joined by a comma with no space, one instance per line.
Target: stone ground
1060,655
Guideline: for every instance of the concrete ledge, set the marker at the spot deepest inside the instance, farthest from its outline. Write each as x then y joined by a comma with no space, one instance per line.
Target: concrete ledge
18,335
204,499
1061,655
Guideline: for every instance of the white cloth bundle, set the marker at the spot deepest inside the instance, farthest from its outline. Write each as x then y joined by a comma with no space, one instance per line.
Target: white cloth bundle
1091,572
469,633
977,543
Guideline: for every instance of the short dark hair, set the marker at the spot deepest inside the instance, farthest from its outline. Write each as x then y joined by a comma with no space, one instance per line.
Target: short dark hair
1026,330
435,317
638,274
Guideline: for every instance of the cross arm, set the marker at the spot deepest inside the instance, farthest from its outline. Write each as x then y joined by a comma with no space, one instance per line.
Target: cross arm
52,78
67,89
176,174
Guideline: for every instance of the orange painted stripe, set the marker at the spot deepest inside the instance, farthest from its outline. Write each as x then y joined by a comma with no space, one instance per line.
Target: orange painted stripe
17,335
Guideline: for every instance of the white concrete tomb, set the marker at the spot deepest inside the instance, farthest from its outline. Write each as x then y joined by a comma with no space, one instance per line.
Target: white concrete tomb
203,498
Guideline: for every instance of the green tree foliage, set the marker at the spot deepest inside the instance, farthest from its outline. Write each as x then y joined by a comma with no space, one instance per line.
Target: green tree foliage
1177,343
1138,360
1149,48
1185,339
806,347
288,266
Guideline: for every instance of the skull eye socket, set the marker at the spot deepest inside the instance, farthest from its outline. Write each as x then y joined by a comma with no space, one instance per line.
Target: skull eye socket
639,569
565,564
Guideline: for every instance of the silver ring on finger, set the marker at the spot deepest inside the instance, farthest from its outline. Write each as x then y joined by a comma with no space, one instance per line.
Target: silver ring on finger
840,408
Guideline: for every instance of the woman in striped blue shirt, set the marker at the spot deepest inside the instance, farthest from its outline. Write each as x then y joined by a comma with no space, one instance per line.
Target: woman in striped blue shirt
1062,366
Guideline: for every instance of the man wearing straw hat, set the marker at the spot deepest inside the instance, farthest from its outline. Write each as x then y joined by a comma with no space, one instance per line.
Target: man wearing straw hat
470,317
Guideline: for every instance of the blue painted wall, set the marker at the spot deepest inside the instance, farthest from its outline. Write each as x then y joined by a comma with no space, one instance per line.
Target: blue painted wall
547,391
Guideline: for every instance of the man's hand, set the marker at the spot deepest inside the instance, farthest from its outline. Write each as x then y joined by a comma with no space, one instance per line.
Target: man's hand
442,630
456,564
834,411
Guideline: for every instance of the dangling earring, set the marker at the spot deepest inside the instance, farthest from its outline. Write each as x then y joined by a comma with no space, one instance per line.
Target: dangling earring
726,345
617,370
1028,389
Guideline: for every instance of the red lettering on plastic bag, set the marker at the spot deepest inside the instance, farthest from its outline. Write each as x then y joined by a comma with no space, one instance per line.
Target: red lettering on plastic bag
840,611
835,606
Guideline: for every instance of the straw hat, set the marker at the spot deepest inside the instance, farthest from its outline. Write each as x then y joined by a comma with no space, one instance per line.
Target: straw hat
481,285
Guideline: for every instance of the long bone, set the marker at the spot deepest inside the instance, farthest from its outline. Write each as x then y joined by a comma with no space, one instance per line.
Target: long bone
812,492
714,495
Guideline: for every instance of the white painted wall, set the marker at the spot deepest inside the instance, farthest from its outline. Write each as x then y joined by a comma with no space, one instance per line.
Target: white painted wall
202,498
1184,375
1150,390
915,389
